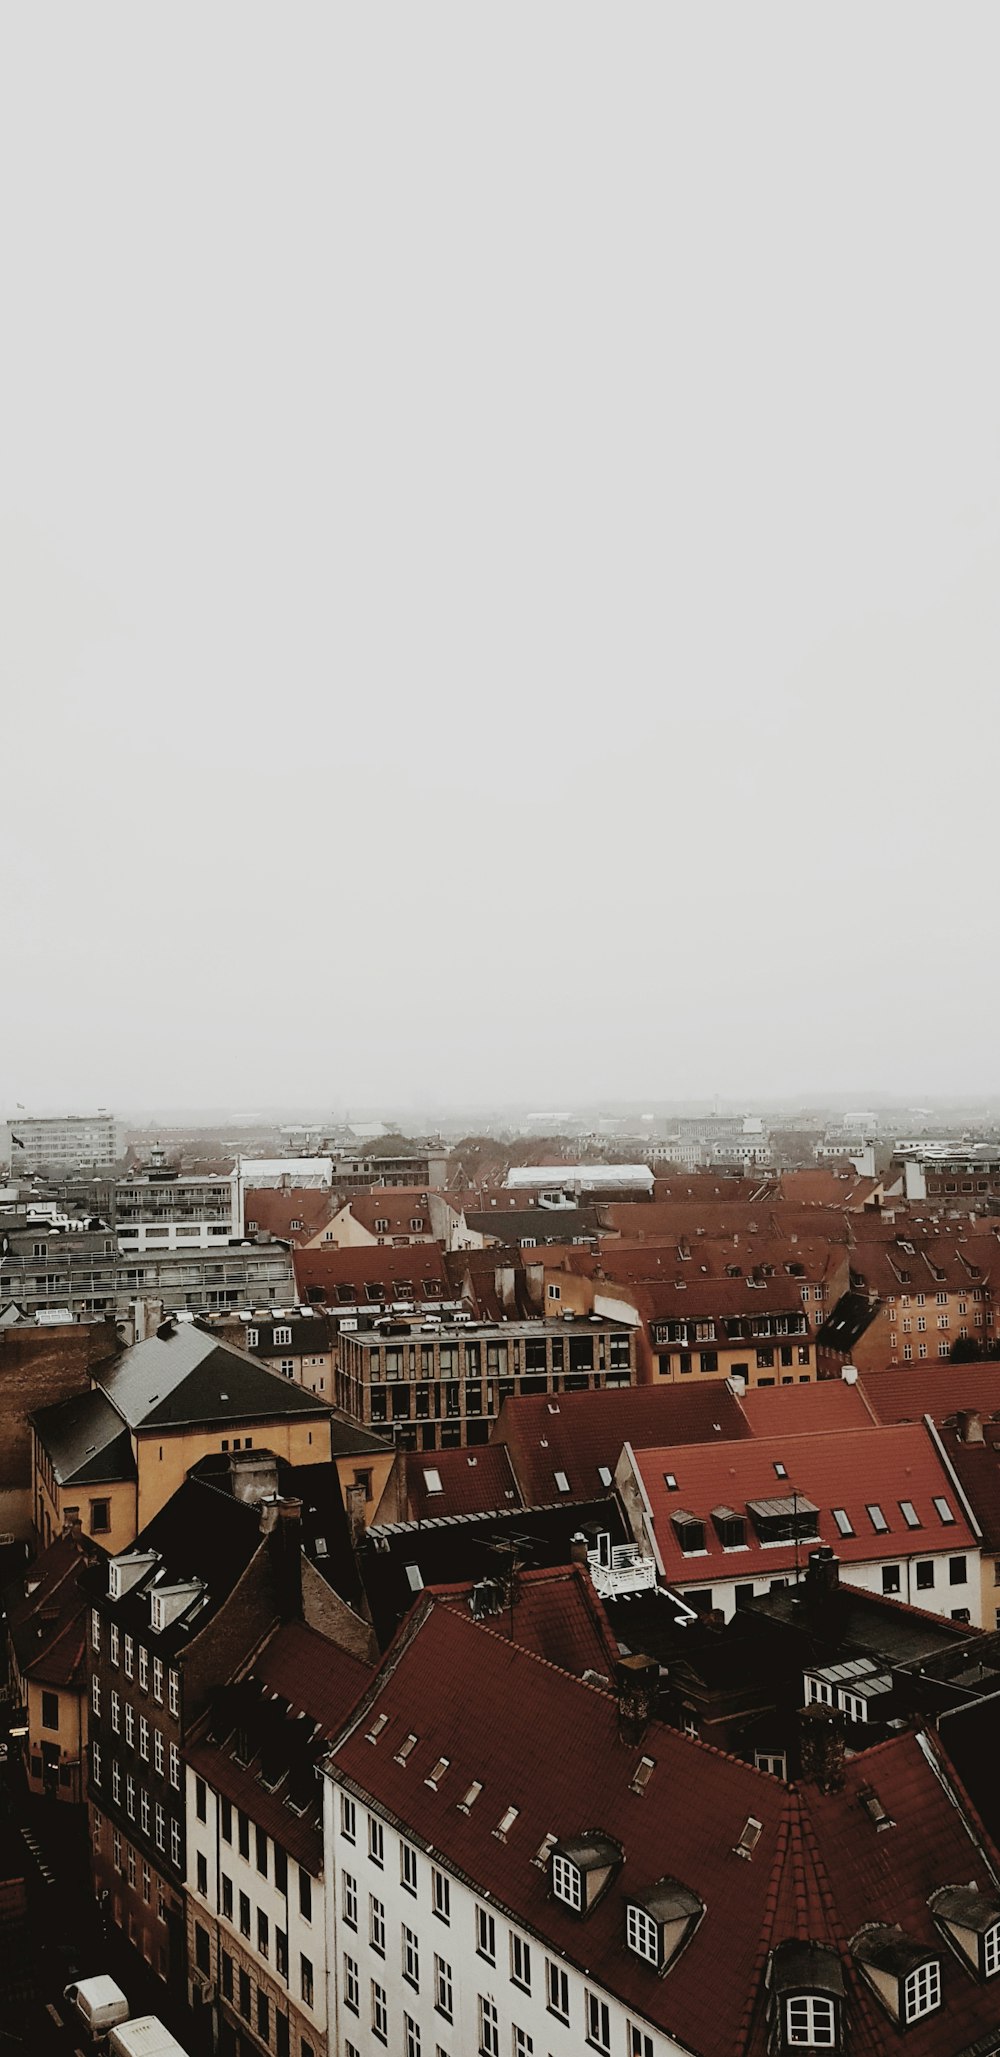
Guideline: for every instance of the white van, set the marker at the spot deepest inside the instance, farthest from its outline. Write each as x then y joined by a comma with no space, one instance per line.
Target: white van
99,2003
144,2037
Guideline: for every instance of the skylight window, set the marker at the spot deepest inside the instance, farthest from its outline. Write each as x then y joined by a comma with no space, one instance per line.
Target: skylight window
405,1748
909,1514
780,1471
414,1578
372,1735
604,1474
470,1796
562,1482
506,1823
843,1521
943,1511
544,1851
642,1774
432,1481
749,1838
670,1481
877,1518
436,1775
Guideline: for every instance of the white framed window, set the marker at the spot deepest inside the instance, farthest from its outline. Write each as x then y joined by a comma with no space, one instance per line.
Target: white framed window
282,1338
642,1934
95,1693
130,1796
440,1894
991,1951
523,2043
350,1899
520,1962
175,1767
408,1867
158,1679
567,1881
129,1656
158,1751
444,1998
411,2037
174,1692
922,1991
129,1724
411,1957
380,2012
376,1924
95,1759
144,1811
143,1668
489,2029
143,1738
556,1990
175,1842
116,1712
376,1840
95,1629
253,1334
351,1991
639,2043
160,1824
598,2016
810,2019
348,1818
115,1642
486,1935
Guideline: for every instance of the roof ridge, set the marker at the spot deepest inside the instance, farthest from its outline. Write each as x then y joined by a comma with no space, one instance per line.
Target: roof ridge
767,1927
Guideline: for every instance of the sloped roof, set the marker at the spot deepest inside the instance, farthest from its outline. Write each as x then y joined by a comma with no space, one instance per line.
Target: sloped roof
47,1614
555,1613
188,1376
846,1468
202,1534
579,1433
459,1481
907,1392
324,1274
806,1410
273,1209
501,1716
85,1440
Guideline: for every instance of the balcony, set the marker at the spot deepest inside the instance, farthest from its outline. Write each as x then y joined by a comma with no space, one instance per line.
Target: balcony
618,1570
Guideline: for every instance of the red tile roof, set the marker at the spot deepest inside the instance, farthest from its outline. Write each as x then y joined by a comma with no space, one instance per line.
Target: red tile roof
321,1683
907,1392
274,1209
460,1482
320,1273
806,1410
47,1614
818,1870
846,1468
578,1433
557,1615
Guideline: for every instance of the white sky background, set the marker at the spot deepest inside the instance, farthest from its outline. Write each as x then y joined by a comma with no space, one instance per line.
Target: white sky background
499,521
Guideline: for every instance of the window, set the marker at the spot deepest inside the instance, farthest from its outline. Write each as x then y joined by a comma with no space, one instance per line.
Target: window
350,1899
95,1629
144,1741
130,1803
158,1679
639,2043
843,1521
175,1767
411,2037
282,1338
443,1995
306,1980
957,1571
567,1882
922,1991
523,2043
556,1990
281,1952
144,1810
175,1842
263,1934
598,2016
642,1934
201,1874
943,1511
991,1952
227,1897
280,1870
877,1518
100,1517
160,1827
486,1935
244,1915
380,2012
115,1643
489,2029
376,1924
95,1759
411,1957
351,1995
440,1894
520,1962
890,1578
909,1514
129,1724
348,1819
408,1867
810,2019
174,1693
376,1841
305,1891
50,1710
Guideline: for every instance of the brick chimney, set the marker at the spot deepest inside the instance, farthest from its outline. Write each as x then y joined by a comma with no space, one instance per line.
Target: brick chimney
281,1524
822,1579
822,1746
638,1682
970,1427
578,1550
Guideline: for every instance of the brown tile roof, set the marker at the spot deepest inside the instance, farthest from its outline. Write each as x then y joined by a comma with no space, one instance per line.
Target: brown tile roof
274,1210
440,1482
47,1614
579,1434
324,1276
907,1392
806,1410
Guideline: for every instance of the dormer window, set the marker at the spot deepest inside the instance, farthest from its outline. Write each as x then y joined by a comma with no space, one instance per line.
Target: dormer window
582,1868
690,1533
660,1921
282,1337
731,1528
806,1985
971,1921
904,1975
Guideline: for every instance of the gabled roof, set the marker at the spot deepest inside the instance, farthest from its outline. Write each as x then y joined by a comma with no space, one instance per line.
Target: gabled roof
273,1209
47,1614
186,1376
332,1277
805,1410
85,1440
848,1469
579,1434
459,1481
907,1392
817,1869
555,1613
201,1534
291,1702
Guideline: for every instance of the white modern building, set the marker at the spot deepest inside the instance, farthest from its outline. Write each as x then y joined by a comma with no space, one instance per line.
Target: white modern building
66,1142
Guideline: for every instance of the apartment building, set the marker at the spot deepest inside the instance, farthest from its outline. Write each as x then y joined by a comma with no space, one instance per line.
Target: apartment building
300,1343
725,1522
63,1142
752,1329
114,1456
85,1273
912,1297
46,1664
436,1385
636,1894
170,1620
164,1209
257,1913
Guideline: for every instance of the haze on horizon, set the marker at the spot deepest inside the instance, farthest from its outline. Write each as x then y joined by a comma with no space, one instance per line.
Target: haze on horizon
499,527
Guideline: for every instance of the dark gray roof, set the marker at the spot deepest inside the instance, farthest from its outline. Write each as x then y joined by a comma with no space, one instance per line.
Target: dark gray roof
541,1224
185,1376
349,1438
84,1440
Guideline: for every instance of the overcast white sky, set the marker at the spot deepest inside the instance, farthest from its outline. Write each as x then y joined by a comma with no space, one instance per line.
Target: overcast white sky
499,519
